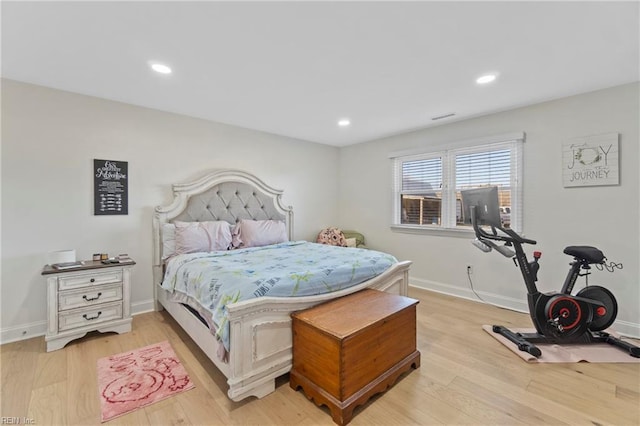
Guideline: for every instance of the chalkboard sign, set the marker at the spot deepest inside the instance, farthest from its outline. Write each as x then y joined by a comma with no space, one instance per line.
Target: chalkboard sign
110,187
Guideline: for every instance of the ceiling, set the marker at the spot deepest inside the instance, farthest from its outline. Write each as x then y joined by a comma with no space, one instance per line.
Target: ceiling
296,68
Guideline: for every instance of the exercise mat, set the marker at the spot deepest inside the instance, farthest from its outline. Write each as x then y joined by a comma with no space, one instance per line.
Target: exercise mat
595,352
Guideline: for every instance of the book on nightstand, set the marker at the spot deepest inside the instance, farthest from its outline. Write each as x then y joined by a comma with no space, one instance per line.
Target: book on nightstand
67,265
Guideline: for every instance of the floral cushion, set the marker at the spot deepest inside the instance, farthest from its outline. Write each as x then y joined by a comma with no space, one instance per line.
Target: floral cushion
332,236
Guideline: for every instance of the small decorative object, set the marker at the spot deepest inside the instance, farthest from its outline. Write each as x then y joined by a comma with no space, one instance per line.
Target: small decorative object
332,236
110,187
591,161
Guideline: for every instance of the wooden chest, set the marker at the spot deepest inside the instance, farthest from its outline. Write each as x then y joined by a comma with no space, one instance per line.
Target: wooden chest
347,350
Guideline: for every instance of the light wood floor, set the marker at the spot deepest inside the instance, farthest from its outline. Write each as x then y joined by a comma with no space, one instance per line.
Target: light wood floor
466,377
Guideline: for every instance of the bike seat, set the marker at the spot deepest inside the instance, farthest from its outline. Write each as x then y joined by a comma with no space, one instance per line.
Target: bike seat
586,253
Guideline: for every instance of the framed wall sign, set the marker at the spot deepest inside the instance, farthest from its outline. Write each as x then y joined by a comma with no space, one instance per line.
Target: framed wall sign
110,187
591,161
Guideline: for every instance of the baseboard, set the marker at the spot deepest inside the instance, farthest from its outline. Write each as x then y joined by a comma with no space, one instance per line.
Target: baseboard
39,328
624,328
142,307
467,293
23,332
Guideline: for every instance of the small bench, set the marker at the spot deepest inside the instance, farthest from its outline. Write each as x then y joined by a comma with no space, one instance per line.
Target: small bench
347,350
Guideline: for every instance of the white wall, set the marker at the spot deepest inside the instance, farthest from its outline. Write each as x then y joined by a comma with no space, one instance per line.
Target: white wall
49,141
50,138
606,217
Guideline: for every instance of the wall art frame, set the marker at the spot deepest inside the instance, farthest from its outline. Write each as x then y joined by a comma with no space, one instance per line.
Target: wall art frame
110,187
591,161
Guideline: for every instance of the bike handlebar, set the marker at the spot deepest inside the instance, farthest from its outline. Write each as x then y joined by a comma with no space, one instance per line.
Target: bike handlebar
517,237
510,237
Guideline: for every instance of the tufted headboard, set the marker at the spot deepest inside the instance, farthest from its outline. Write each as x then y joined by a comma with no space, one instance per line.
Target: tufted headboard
230,201
229,195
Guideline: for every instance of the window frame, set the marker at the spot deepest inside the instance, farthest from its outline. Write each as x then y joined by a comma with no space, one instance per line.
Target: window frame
512,141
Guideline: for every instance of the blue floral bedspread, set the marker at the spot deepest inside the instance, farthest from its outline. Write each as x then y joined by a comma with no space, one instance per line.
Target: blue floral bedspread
299,268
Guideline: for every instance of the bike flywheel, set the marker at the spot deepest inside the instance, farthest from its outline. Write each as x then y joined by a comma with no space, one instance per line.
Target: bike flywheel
603,316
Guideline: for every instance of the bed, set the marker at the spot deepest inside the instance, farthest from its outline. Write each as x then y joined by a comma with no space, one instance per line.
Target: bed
259,329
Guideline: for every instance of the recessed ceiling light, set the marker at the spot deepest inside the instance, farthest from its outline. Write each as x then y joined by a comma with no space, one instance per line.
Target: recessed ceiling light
344,122
488,78
160,68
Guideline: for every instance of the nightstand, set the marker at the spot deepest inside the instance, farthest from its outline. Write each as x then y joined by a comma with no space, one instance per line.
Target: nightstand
91,297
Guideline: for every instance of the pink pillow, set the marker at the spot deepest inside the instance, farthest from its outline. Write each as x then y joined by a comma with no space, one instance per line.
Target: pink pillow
256,233
193,237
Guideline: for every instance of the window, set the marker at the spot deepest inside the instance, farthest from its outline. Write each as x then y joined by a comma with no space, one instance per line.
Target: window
427,185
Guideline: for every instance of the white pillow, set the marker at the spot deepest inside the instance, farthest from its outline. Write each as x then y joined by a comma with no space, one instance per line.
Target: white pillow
256,233
193,237
168,235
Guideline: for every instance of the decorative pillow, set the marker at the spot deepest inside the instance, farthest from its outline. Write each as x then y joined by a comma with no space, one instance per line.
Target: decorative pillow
354,234
193,237
332,236
168,235
257,233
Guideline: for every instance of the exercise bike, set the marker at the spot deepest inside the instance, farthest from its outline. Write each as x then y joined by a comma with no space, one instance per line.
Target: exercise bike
558,317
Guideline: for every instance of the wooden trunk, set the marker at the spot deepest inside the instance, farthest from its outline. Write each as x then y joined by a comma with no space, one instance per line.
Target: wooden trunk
349,349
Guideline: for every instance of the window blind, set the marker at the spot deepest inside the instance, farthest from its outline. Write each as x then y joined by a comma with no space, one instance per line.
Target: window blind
427,185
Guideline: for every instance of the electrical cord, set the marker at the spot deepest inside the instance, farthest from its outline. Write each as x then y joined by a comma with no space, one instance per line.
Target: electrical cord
471,285
478,296
611,266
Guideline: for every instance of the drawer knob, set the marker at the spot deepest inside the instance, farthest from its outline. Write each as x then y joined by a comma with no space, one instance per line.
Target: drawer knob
92,318
93,280
89,299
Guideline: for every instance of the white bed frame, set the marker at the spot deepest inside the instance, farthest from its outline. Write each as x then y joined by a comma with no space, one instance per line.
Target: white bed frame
260,329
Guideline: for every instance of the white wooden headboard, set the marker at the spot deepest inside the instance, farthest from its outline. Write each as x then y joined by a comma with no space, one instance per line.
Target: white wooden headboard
226,194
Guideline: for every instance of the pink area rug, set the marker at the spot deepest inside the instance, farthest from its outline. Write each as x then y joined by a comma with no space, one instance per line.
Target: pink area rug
137,378
597,352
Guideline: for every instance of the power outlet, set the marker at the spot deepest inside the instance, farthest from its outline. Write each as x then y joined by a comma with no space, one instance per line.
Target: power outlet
470,269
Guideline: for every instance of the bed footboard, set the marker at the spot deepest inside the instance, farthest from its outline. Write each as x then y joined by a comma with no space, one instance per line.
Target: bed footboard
262,328
260,332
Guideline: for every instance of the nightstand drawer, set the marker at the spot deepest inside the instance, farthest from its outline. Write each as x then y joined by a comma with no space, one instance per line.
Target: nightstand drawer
89,296
84,280
89,316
